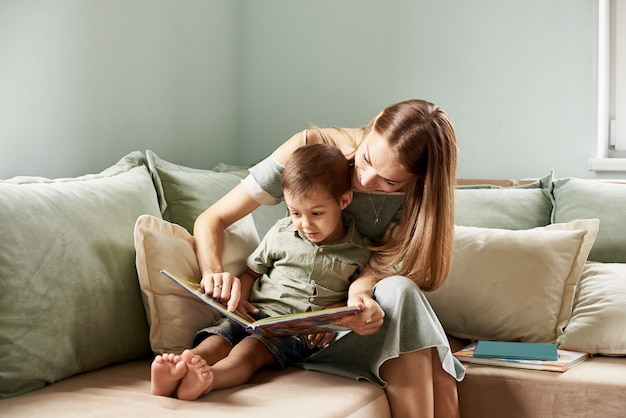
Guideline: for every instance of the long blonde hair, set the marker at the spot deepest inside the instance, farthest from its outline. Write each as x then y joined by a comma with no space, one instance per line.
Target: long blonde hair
424,141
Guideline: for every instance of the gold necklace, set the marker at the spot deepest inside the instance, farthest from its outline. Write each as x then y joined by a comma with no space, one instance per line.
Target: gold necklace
376,212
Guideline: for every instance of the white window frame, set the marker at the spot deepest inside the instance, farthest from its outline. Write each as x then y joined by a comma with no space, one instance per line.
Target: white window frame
610,87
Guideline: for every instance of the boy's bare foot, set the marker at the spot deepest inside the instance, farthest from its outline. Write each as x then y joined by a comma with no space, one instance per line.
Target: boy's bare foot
166,372
198,380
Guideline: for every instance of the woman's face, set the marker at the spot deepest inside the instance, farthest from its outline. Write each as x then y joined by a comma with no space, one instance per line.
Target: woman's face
376,167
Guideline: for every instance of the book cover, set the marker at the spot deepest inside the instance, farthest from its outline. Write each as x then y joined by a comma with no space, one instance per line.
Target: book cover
275,326
516,350
566,360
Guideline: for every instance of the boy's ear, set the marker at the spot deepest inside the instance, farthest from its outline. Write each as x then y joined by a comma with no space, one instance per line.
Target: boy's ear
346,198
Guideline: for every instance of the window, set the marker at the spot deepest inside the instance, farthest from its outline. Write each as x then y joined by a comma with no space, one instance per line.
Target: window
610,153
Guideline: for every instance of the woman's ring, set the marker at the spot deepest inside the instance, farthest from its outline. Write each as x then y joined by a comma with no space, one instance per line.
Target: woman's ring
217,286
368,321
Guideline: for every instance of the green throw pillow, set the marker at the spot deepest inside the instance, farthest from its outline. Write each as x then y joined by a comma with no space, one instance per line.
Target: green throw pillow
519,207
69,296
580,199
184,192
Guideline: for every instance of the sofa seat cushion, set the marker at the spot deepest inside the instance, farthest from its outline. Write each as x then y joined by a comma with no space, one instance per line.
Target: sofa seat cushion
596,387
124,391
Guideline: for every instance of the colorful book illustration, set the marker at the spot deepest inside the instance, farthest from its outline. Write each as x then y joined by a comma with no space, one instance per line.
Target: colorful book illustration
566,360
516,350
312,322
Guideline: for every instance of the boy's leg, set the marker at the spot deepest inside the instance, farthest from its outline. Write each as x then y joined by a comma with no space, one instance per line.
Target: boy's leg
198,379
168,370
241,363
235,369
212,349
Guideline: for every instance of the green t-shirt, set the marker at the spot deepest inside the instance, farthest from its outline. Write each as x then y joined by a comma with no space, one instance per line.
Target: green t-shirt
299,275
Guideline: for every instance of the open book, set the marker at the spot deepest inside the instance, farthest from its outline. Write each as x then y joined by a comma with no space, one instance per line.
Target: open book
565,361
276,326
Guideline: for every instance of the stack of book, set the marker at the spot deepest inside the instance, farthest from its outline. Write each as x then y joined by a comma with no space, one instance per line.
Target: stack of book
535,356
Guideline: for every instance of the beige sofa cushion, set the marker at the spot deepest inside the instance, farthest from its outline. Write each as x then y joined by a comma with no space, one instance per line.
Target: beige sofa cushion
598,323
594,388
173,314
124,391
513,285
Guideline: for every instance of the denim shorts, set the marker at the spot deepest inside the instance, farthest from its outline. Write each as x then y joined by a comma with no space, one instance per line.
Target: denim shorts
287,350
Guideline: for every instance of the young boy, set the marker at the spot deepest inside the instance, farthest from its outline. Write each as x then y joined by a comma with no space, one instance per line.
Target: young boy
305,262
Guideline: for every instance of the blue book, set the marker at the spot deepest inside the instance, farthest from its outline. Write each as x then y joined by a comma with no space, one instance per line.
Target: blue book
516,350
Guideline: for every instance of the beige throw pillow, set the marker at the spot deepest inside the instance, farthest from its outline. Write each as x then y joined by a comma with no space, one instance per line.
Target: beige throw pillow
597,323
513,285
173,314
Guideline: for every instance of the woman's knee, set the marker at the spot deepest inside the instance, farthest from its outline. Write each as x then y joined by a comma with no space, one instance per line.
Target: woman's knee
395,288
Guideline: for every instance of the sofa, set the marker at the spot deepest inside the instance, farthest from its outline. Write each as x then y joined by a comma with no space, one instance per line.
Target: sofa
83,307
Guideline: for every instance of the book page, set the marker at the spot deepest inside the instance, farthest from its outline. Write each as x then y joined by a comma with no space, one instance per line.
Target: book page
282,325
193,287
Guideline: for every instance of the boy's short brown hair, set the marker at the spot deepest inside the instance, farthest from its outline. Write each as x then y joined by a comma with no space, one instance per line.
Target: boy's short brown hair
317,165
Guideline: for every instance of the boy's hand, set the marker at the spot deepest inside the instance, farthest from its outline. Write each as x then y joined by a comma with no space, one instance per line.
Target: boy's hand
245,308
323,339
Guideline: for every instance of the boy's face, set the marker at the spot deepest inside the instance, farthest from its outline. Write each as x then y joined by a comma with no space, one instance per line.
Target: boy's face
318,216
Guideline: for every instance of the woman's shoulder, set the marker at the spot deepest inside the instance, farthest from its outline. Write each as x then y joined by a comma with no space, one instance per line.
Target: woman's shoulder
346,139
335,135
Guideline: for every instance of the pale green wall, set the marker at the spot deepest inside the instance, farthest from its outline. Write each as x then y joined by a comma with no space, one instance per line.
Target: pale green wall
515,76
83,82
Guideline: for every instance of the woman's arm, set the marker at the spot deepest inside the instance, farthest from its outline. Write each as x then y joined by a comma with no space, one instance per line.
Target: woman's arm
209,233
209,242
210,225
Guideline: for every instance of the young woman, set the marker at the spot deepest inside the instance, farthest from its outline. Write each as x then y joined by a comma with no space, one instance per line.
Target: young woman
403,180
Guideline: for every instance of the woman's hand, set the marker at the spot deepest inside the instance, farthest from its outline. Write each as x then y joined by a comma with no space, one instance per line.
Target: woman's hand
361,294
224,287
370,319
235,291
